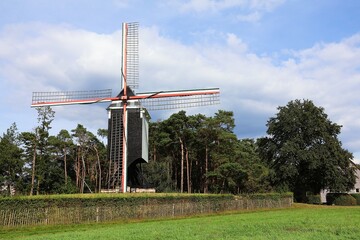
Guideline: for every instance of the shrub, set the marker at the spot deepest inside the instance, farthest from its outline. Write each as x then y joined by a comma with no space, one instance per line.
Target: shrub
345,200
313,199
357,197
330,197
340,199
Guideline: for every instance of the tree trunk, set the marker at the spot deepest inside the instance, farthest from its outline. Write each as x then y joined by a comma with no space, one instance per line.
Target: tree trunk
99,165
33,171
187,170
108,175
169,174
175,171
206,188
65,166
77,170
38,185
182,166
83,173
154,154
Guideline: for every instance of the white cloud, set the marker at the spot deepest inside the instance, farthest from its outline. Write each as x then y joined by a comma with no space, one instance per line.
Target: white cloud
219,5
203,5
251,17
58,57
328,74
236,43
247,10
37,57
121,3
267,5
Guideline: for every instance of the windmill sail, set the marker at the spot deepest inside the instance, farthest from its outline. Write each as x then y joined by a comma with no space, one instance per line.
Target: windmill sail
179,99
131,52
70,97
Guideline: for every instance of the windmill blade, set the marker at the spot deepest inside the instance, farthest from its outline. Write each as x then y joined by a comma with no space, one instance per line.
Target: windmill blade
130,54
178,99
40,99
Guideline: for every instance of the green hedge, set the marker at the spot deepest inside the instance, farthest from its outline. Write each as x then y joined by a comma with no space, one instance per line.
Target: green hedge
89,200
270,196
70,209
106,199
340,199
314,199
357,197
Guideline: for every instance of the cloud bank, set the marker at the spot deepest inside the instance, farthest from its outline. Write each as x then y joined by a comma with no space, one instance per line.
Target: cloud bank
41,57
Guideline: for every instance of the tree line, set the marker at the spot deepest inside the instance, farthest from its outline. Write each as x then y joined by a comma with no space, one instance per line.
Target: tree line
187,153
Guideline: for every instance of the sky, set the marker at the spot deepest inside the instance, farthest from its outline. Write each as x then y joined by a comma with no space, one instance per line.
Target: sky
260,53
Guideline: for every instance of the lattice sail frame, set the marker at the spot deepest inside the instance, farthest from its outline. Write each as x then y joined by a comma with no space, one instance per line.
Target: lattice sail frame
180,99
150,100
131,44
70,97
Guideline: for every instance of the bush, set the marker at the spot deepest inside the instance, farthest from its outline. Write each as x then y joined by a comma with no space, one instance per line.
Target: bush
357,197
340,199
330,197
345,200
313,199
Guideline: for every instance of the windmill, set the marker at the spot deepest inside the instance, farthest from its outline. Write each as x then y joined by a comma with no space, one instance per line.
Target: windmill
127,113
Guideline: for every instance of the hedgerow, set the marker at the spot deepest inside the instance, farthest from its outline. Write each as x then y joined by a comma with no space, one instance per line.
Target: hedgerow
341,199
313,199
68,209
89,200
357,197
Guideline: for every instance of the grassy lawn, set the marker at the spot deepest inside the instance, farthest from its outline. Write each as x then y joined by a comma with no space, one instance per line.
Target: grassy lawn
298,222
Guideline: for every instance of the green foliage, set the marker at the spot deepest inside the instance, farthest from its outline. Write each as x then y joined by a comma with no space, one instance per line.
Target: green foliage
257,173
159,175
345,200
341,199
304,153
66,209
202,154
314,199
229,176
357,197
187,154
11,163
271,195
57,164
91,200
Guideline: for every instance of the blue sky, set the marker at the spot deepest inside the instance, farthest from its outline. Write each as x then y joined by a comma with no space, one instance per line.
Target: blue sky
261,53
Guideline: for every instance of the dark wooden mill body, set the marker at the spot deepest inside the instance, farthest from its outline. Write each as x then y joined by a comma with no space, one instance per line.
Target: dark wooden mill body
127,113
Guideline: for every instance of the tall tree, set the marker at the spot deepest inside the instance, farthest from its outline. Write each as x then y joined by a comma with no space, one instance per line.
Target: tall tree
64,143
256,173
159,171
176,124
62,151
45,117
303,151
97,149
11,163
30,142
90,157
223,150
82,138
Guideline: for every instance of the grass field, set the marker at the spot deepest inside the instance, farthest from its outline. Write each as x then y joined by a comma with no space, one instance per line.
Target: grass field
298,222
